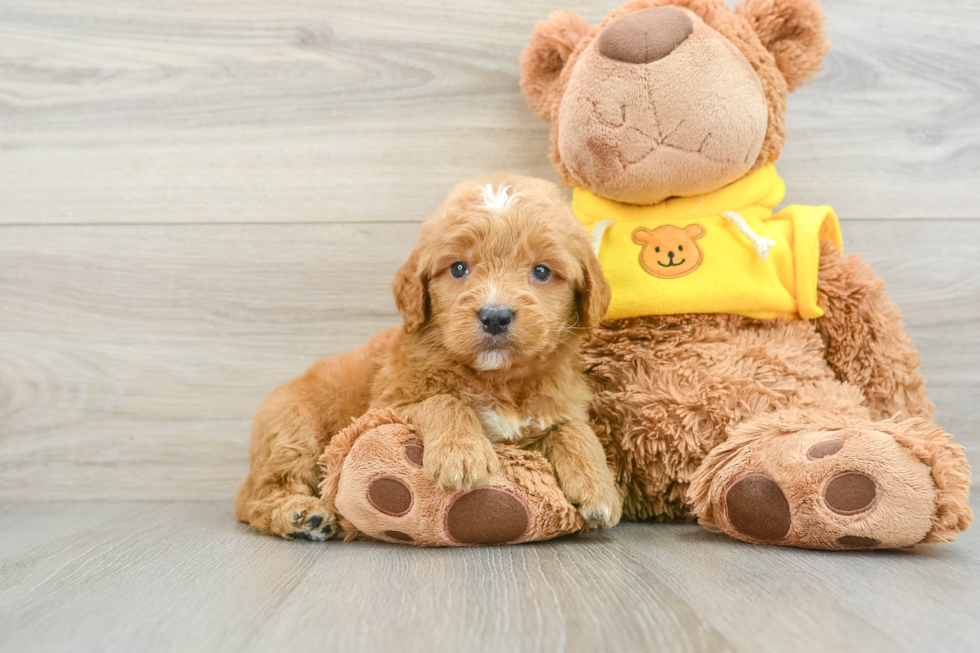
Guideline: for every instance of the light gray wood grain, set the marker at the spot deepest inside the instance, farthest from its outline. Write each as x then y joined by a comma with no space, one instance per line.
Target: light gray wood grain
303,110
197,200
891,128
132,357
148,348
159,576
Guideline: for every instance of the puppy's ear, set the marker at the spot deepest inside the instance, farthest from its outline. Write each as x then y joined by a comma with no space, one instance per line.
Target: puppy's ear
793,31
542,61
411,295
595,295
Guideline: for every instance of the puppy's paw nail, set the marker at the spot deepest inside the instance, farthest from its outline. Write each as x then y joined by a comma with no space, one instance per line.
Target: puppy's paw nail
597,515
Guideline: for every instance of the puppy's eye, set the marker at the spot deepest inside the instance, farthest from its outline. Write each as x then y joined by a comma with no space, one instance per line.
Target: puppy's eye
458,270
541,273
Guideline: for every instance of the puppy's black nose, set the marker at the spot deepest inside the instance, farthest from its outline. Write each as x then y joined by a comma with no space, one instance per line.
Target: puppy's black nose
495,319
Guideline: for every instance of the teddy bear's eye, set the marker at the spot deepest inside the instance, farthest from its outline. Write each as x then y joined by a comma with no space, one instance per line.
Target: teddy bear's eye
680,248
656,249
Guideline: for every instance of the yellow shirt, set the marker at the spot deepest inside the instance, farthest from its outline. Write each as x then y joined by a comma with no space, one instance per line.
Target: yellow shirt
684,256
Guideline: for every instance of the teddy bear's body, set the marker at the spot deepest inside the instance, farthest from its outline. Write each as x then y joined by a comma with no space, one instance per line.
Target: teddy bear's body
673,391
810,427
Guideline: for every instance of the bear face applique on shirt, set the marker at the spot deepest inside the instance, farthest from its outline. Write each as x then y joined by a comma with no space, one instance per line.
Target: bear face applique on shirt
669,252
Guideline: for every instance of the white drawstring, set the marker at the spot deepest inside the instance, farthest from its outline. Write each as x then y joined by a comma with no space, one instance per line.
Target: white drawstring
598,231
761,243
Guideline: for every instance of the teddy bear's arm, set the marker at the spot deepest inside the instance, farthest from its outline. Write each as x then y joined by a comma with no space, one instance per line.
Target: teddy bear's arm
866,343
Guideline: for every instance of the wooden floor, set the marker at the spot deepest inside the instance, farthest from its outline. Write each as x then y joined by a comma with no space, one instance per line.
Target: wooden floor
182,576
199,199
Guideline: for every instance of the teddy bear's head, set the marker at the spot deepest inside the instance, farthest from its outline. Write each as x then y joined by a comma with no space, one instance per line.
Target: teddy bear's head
670,97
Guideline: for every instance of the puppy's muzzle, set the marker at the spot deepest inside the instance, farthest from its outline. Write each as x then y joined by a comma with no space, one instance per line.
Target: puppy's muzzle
496,320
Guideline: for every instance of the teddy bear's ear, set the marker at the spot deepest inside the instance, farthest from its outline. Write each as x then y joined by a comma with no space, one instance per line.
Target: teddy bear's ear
542,61
793,31
695,231
641,236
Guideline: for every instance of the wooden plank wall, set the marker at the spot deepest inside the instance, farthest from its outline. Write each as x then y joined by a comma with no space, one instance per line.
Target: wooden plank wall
197,200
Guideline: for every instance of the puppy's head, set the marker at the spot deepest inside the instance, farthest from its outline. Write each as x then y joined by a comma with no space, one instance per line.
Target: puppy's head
502,275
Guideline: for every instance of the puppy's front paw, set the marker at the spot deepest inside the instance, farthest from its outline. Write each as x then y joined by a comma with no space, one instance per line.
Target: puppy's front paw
304,518
598,501
461,462
602,514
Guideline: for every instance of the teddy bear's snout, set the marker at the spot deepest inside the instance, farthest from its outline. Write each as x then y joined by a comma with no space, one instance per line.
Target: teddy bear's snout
646,35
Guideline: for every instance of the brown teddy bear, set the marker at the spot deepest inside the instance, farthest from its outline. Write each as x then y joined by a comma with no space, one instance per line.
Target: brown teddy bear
748,374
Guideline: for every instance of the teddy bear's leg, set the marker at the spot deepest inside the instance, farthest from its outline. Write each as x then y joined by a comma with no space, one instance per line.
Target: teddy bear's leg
373,476
866,344
815,478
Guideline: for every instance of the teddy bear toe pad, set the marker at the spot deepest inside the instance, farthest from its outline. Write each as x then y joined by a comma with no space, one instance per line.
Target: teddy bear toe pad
487,515
758,508
390,496
849,493
824,449
853,490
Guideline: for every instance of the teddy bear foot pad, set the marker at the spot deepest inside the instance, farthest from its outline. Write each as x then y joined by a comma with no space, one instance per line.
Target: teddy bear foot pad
848,489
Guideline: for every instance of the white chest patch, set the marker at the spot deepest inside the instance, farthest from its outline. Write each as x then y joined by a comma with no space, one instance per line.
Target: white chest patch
497,426
505,427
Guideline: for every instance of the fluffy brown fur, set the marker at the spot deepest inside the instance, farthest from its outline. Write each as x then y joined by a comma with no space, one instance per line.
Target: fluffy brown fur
865,339
462,388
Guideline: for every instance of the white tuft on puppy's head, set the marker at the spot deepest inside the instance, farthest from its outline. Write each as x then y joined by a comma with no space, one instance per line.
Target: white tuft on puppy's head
498,199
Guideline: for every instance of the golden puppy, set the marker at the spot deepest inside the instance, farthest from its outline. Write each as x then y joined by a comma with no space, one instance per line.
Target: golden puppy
496,299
